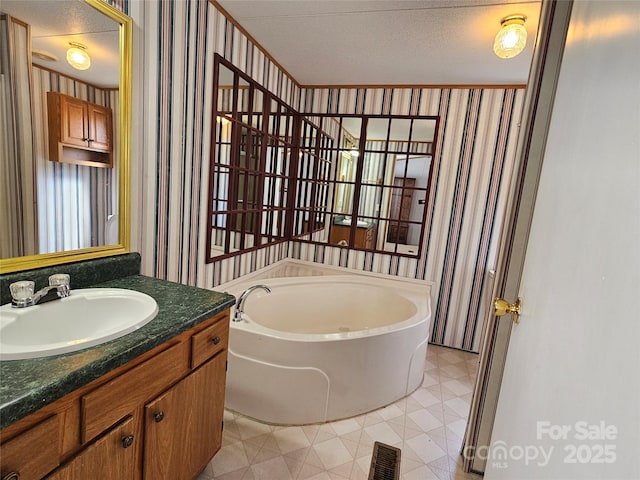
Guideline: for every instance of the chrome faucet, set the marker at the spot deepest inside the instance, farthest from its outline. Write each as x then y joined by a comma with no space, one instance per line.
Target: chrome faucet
237,316
23,295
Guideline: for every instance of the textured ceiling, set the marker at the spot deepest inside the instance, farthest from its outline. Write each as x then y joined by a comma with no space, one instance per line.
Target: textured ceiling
379,42
56,23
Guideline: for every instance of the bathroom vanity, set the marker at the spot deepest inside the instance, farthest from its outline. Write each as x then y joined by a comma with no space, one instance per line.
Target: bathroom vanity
148,405
341,232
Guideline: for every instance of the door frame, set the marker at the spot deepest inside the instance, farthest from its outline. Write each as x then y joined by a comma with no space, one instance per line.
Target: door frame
532,137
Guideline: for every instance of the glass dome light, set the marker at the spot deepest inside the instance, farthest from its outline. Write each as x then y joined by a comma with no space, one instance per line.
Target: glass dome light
512,37
77,56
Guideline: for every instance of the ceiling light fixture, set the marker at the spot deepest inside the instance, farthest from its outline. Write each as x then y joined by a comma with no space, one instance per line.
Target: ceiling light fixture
77,57
512,37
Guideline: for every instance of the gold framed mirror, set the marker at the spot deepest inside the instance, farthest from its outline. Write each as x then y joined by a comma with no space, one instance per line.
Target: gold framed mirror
118,184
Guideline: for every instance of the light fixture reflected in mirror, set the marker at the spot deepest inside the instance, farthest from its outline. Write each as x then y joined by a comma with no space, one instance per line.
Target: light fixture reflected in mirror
77,56
512,37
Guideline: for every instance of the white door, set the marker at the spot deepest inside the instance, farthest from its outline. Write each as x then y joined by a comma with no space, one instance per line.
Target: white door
569,405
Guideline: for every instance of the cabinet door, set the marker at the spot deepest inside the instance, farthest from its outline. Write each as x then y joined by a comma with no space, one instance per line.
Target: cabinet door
339,233
73,121
100,128
112,456
183,427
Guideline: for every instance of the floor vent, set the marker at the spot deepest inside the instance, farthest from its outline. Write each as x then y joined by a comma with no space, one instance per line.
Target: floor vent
385,462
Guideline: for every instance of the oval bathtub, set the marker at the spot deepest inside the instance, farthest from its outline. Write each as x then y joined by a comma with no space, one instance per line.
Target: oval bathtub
318,349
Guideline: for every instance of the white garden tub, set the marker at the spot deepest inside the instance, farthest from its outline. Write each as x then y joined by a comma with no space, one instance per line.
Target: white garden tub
321,348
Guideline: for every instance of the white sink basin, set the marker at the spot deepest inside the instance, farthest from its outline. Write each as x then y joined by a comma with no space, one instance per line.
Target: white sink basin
86,318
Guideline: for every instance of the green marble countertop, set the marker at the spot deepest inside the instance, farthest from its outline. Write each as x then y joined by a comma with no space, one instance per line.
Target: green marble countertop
28,385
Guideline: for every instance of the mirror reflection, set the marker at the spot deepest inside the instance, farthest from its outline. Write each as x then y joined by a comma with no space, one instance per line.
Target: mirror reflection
353,181
379,185
250,158
60,188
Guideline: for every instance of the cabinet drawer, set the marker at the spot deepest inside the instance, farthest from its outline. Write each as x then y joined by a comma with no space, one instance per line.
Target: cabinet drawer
34,453
208,342
109,403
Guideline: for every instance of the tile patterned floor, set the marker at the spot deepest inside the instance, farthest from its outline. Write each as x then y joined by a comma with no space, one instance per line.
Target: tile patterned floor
428,426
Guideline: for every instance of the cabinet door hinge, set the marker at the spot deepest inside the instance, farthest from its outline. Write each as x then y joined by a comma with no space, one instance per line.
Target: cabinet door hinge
226,365
222,425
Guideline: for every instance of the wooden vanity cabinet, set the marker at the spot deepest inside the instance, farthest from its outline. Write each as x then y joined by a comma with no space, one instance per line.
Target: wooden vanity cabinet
365,236
159,416
79,132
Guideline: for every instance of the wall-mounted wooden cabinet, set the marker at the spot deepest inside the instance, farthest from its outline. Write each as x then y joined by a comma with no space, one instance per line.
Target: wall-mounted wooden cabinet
157,417
79,132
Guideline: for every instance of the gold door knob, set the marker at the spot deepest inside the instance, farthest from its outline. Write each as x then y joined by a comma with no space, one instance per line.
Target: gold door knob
502,307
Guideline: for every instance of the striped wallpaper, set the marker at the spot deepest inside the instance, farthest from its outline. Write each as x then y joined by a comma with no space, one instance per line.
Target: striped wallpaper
475,152
171,141
18,219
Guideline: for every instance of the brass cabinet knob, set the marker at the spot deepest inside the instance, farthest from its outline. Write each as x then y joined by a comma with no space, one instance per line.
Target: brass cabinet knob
127,441
158,416
216,340
502,307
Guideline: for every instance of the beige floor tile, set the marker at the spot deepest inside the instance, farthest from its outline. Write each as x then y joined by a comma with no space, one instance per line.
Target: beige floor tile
248,475
453,371
440,473
421,473
295,460
343,471
459,386
229,459
313,459
391,412
428,426
425,398
350,445
450,357
352,436
311,431
237,475
364,451
372,418
382,432
271,469
290,439
458,405
320,476
249,428
458,427
345,426
425,448
431,379
397,427
265,454
425,420
324,434
332,453
358,473
446,394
